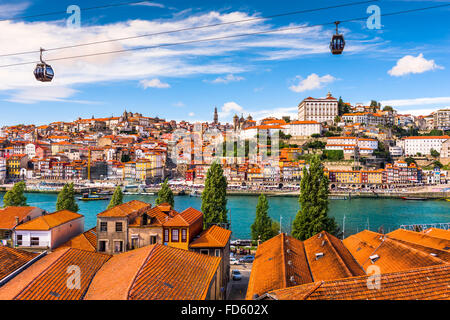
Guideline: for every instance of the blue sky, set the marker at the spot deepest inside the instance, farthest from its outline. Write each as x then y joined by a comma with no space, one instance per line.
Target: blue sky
405,63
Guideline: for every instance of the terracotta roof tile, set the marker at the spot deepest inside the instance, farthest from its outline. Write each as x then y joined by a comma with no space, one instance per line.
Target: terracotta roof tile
388,254
214,237
438,233
420,238
155,272
185,218
8,216
49,221
336,261
124,209
85,241
12,259
430,283
271,269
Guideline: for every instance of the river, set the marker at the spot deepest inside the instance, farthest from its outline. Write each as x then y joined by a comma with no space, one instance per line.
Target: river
359,214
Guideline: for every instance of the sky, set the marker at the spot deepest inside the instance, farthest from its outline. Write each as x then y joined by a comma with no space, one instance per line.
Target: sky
405,63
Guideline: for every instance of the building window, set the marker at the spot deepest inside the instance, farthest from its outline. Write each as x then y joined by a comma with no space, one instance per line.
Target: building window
204,251
152,239
166,235
217,253
103,226
175,235
119,227
118,246
183,235
102,246
34,241
19,239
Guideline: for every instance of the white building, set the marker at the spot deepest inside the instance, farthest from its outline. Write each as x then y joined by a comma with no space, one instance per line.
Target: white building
441,119
302,128
348,144
396,151
2,169
30,150
320,110
423,144
49,231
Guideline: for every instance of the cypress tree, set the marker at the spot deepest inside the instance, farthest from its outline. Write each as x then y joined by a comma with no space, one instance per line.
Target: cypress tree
66,199
262,227
116,199
165,195
15,197
313,218
214,197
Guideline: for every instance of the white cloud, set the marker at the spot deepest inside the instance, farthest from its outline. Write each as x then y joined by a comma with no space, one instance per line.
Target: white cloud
228,78
154,83
178,104
12,9
149,4
229,108
191,114
415,101
312,82
410,64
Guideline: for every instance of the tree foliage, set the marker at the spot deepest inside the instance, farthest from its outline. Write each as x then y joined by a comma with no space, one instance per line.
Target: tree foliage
16,197
165,195
214,197
313,218
262,228
66,199
116,199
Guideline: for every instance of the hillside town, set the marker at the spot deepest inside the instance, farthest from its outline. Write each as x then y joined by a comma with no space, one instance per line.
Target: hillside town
363,147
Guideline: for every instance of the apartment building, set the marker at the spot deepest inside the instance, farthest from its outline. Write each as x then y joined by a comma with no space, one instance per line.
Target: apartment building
302,128
320,110
441,119
423,144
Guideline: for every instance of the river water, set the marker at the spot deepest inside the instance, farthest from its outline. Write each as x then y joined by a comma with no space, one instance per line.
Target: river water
359,214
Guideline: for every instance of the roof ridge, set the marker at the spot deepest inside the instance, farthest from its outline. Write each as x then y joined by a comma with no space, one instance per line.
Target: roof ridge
347,269
417,251
283,258
311,291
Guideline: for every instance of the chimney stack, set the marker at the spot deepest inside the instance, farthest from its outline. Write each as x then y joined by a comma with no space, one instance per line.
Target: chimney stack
17,221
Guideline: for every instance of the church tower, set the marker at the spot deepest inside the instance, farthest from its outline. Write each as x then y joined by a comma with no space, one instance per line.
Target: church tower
216,116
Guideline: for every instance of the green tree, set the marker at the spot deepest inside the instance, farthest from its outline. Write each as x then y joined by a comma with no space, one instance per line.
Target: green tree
262,227
313,218
15,197
214,197
388,108
116,199
165,195
66,199
333,155
435,154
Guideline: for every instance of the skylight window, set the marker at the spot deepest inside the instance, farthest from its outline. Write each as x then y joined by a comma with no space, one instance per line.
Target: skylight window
319,255
374,258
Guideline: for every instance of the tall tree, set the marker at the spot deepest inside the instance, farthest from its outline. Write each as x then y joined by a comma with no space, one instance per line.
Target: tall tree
15,197
262,227
165,195
116,199
313,218
66,199
214,197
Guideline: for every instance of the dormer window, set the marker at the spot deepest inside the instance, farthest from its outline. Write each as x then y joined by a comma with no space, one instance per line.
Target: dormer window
374,258
319,255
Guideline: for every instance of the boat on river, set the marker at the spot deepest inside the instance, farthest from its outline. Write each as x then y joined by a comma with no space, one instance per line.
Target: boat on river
95,197
414,199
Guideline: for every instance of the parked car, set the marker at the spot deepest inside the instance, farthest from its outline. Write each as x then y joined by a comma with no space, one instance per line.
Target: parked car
236,275
247,259
234,261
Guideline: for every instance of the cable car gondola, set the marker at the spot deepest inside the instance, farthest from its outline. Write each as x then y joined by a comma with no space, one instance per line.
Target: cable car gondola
337,43
43,72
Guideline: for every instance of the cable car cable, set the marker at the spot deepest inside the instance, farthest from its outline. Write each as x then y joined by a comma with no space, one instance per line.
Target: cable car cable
194,28
225,37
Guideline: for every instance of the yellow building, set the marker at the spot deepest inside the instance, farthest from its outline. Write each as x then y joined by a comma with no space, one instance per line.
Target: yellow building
14,163
179,231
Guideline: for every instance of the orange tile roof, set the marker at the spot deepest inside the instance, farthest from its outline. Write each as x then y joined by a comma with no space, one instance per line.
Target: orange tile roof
8,216
47,278
420,238
50,221
430,283
155,272
12,259
185,218
392,255
124,209
85,241
438,233
336,262
214,237
271,269
157,217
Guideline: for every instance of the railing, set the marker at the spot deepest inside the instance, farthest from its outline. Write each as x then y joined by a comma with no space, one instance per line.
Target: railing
421,227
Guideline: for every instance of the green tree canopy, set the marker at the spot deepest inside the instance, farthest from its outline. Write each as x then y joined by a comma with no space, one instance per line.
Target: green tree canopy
262,227
66,199
214,197
116,199
16,197
434,153
313,215
165,195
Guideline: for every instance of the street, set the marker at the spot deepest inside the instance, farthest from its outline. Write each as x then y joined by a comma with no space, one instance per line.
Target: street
239,288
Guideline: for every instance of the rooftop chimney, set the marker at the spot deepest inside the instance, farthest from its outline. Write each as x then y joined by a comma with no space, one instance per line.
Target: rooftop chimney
17,221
